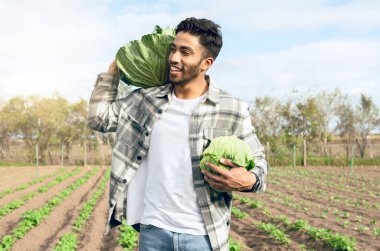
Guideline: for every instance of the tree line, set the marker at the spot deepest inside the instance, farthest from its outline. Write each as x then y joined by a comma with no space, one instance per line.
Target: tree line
54,120
316,118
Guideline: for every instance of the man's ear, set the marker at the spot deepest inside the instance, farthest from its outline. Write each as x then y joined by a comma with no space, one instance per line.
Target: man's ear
207,63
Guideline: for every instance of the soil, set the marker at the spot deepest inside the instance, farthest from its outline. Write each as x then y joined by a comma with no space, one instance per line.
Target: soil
46,235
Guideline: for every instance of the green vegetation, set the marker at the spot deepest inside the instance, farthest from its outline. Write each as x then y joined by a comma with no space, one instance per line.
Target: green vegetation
143,62
4,210
69,240
128,236
229,147
239,214
234,245
335,240
34,217
275,233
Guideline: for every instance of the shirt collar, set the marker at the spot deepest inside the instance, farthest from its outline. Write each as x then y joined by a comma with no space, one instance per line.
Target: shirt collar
212,93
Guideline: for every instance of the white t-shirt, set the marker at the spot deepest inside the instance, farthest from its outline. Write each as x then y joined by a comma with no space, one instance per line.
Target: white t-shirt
161,192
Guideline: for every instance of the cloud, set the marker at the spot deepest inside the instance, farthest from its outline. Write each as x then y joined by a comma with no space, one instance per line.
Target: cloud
280,16
351,66
61,46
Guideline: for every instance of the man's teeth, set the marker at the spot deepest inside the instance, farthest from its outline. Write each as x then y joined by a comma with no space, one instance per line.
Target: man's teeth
173,68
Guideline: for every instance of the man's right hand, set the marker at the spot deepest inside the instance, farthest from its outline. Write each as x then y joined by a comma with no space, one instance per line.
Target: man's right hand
112,69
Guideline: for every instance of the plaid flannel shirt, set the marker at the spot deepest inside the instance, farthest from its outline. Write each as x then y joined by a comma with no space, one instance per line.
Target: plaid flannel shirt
133,117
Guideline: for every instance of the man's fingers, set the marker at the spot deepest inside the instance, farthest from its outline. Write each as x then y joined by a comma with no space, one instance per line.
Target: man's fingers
227,162
213,177
217,169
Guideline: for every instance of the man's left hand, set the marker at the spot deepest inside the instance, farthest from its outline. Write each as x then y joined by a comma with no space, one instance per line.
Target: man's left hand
235,179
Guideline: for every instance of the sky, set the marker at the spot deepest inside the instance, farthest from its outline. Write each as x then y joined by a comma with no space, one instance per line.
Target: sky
287,49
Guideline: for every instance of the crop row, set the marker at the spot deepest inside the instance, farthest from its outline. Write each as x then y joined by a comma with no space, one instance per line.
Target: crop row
359,183
334,240
30,183
69,241
343,218
326,195
271,229
4,210
34,217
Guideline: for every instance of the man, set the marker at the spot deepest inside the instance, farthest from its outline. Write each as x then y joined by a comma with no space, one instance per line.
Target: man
161,133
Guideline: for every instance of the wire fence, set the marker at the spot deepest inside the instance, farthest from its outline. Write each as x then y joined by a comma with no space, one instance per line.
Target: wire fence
95,153
88,153
317,154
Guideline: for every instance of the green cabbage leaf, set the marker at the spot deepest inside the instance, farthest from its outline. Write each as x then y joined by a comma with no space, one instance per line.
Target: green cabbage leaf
144,63
228,147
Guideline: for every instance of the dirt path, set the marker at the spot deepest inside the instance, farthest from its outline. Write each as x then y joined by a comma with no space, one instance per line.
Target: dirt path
12,176
9,221
60,221
92,237
363,239
19,194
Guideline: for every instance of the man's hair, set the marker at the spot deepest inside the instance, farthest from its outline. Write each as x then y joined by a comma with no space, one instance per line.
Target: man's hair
209,33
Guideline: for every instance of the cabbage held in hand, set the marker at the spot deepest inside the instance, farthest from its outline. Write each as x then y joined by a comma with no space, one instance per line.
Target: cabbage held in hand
144,62
228,147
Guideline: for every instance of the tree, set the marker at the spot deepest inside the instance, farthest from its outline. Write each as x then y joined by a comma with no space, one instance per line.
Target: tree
366,120
326,104
73,128
35,120
4,134
265,118
345,126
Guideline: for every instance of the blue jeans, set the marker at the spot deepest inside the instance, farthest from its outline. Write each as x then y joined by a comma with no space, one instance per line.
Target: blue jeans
157,239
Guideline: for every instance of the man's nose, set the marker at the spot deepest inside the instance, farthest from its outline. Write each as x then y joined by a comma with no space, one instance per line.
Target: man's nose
174,57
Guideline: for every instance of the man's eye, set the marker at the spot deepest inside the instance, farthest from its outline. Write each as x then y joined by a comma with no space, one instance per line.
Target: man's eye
185,52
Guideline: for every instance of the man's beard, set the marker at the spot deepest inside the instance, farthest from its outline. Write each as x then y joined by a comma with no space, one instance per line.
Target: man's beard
193,72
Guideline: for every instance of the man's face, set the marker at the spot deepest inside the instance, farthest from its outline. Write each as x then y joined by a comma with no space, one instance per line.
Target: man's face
185,58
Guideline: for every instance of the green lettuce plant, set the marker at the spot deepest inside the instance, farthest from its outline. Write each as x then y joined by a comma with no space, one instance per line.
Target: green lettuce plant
228,147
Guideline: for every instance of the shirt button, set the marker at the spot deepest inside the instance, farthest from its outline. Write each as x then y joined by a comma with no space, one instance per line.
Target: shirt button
138,157
159,111
111,204
147,134
124,181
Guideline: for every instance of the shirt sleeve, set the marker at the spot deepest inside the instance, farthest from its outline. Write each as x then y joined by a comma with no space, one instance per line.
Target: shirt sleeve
247,133
103,107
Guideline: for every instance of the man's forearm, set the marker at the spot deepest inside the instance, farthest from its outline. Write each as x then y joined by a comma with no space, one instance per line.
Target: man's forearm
103,110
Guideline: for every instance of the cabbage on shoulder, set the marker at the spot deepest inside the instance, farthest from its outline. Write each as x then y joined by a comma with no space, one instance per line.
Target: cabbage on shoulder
144,63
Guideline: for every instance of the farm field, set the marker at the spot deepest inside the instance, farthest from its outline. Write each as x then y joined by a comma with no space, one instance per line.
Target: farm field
313,208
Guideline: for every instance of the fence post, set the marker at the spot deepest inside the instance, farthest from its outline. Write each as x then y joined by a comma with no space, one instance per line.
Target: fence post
61,155
294,155
304,153
36,160
352,158
85,153
268,151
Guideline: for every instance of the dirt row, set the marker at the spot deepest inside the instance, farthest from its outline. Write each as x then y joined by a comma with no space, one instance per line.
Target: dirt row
46,235
364,239
12,176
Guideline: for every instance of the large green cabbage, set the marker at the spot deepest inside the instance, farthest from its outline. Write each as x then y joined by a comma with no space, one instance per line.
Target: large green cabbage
228,147
144,62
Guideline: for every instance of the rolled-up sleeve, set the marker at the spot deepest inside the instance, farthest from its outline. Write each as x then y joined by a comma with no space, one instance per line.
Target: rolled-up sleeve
103,108
247,133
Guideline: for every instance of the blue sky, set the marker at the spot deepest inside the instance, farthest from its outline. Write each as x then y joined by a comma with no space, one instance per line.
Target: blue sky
279,48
